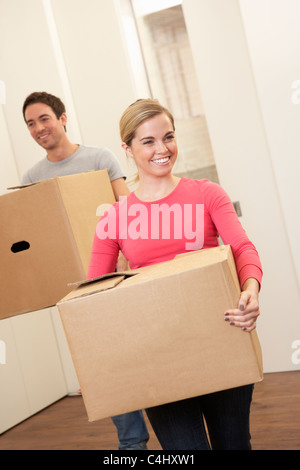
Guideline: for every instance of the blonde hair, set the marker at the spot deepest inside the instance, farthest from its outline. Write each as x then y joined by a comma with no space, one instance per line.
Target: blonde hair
137,113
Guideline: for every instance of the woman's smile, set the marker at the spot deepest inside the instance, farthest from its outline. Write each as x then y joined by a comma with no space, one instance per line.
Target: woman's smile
161,161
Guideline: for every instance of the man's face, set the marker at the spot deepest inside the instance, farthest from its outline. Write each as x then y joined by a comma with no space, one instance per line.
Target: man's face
43,125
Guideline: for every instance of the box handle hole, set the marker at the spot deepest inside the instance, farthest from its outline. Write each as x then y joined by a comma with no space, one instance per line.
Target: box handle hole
20,246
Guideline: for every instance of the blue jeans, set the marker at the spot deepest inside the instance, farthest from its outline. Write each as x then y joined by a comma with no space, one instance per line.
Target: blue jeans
180,426
132,431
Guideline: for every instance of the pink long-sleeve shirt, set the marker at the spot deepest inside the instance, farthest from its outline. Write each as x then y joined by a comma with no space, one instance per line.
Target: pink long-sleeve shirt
193,216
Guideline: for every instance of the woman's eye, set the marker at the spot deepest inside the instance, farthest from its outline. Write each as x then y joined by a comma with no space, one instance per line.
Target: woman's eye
148,142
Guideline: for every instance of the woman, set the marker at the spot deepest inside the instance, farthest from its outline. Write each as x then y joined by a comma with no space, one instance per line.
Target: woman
148,135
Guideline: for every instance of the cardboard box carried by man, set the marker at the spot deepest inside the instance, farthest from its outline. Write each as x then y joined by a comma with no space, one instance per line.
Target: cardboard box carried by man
47,231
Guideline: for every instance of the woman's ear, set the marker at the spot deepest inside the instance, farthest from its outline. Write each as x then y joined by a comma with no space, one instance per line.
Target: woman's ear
127,149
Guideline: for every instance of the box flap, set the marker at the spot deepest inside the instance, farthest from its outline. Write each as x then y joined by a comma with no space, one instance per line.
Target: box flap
22,186
102,278
96,284
87,289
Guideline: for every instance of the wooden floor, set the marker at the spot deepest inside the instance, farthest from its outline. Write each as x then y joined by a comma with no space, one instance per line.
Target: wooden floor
275,422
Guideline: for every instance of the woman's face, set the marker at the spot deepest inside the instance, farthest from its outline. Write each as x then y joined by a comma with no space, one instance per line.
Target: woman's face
154,147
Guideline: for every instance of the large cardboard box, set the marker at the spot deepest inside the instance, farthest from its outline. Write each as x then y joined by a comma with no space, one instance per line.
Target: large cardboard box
46,235
158,334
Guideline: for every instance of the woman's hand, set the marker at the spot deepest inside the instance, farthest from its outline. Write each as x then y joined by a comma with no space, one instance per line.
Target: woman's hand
246,314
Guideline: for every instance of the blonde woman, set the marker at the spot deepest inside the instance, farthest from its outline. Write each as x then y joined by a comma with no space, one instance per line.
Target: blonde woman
148,136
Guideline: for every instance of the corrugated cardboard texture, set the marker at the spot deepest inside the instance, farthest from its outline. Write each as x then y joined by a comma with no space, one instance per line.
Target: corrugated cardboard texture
160,336
81,195
56,219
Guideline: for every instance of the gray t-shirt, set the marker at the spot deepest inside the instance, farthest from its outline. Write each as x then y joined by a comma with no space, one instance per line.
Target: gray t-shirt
84,159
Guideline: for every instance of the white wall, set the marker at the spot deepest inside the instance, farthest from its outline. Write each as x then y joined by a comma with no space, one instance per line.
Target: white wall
97,67
27,64
87,68
273,39
244,141
9,174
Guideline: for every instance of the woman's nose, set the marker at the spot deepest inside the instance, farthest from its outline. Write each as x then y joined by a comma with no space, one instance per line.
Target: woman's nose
161,147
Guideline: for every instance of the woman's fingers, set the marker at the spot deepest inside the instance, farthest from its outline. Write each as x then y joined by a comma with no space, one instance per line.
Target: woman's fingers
246,322
246,315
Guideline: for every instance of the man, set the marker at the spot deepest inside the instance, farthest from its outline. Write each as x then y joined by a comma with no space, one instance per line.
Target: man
46,119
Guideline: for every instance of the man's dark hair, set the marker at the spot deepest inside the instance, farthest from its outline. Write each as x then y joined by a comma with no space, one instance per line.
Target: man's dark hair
54,102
